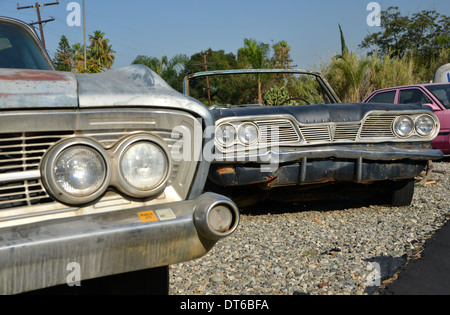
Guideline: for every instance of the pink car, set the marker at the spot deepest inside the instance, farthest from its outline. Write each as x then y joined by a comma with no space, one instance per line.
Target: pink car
435,95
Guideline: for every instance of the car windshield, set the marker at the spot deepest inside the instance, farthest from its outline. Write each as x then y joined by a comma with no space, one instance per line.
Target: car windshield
442,93
268,89
18,50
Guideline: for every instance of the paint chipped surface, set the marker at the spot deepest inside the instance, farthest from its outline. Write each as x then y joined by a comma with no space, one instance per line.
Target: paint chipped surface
21,88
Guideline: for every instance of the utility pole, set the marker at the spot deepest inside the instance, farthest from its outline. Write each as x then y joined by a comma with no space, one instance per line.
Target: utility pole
84,36
207,78
40,22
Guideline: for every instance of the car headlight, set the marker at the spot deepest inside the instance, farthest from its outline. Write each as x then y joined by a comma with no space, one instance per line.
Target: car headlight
403,126
425,125
76,171
248,133
226,134
144,165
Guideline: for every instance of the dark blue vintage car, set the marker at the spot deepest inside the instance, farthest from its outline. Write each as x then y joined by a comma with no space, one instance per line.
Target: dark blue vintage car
314,151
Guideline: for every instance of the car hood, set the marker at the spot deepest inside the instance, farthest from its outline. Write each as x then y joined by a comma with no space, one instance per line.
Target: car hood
317,113
134,85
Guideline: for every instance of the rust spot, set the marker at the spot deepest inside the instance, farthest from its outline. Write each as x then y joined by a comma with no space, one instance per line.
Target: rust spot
34,75
225,170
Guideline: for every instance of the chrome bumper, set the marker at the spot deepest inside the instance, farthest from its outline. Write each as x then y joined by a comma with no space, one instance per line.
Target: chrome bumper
321,164
382,153
39,255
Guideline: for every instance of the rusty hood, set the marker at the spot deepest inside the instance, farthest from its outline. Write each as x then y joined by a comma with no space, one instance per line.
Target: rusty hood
134,85
21,88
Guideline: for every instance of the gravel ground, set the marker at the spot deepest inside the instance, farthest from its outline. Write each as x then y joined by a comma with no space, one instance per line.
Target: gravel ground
318,248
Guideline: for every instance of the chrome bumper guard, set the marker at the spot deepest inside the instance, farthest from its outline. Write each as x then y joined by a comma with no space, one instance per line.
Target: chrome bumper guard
387,153
41,255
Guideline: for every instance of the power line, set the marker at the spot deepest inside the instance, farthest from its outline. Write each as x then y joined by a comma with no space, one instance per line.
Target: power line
40,21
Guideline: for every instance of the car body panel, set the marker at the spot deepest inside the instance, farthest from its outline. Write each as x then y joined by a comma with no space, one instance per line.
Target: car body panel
37,89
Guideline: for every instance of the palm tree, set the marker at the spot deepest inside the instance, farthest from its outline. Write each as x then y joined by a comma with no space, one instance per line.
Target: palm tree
100,51
173,67
153,63
166,68
78,57
256,55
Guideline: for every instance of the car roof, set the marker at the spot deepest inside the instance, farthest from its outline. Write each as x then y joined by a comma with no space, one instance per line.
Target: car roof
409,86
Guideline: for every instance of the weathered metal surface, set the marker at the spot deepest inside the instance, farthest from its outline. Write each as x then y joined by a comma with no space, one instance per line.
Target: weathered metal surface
37,89
108,128
38,255
316,170
134,85
381,153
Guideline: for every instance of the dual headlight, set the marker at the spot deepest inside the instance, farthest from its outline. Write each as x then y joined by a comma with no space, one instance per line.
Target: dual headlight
78,171
245,134
423,125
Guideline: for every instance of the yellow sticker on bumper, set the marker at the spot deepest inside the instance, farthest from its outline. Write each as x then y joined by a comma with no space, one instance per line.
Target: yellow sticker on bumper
147,216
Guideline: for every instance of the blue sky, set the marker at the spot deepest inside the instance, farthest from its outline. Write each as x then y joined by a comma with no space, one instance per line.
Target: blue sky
170,27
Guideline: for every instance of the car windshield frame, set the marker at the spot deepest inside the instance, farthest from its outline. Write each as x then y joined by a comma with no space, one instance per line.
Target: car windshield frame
325,87
20,47
432,89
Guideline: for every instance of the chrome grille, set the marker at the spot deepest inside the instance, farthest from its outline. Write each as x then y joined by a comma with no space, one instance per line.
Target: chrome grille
23,152
316,133
346,132
378,126
277,131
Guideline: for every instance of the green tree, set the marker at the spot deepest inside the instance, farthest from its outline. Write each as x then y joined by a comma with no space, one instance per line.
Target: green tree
63,55
221,91
78,58
423,36
281,57
101,54
256,55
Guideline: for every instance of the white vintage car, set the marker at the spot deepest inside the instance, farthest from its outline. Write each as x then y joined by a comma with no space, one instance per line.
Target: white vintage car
91,186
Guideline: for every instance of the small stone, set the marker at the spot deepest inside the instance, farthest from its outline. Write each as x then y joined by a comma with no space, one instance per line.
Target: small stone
216,278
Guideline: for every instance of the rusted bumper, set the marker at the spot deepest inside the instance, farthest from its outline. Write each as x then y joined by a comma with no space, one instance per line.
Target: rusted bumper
40,255
322,164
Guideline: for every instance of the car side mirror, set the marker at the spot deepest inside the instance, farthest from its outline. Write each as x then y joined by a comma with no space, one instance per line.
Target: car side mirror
433,106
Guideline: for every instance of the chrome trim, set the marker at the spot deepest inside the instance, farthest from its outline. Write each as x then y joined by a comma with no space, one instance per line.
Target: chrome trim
33,140
203,209
374,127
241,126
28,175
116,154
385,153
418,132
396,120
49,181
105,243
